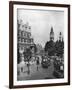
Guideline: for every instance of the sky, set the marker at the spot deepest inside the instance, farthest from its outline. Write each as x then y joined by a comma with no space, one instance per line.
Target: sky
41,22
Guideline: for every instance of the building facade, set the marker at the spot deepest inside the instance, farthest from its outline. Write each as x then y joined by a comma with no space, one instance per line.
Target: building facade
24,37
51,34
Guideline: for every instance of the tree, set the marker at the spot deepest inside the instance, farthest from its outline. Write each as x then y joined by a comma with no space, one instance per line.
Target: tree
59,48
27,55
49,48
34,47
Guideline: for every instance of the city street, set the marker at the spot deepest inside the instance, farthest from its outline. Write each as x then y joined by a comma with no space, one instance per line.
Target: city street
36,72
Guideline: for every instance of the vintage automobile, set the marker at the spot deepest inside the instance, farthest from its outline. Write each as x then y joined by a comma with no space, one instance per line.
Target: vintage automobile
58,68
45,62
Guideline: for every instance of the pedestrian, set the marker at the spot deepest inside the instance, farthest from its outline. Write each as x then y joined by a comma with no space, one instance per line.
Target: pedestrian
37,62
21,69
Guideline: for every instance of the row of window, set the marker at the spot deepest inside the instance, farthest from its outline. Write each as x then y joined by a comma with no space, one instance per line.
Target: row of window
25,40
23,48
25,34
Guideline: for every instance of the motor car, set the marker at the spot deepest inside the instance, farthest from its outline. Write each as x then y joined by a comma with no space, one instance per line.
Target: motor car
45,62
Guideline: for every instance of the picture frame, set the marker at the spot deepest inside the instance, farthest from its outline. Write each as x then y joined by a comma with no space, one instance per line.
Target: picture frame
37,14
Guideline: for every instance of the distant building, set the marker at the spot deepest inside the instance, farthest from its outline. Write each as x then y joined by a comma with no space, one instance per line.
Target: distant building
59,46
39,48
49,46
60,36
24,37
51,34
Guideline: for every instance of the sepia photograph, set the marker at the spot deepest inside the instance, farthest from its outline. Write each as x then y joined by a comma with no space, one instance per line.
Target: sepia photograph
39,44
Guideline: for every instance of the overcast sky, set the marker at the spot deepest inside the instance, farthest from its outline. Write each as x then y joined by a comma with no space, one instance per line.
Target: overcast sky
41,22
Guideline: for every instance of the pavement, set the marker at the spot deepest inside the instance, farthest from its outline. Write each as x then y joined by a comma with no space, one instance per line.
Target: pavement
34,72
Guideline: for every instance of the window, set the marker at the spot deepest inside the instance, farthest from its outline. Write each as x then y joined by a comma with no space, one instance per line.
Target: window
22,33
29,41
19,39
19,33
28,35
22,40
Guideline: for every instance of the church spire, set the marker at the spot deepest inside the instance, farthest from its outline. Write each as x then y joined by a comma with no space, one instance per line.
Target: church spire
52,34
60,36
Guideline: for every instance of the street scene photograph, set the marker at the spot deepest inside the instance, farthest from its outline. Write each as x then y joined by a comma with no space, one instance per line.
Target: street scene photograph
40,44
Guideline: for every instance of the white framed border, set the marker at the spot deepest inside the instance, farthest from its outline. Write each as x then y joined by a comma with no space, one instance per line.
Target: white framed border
50,81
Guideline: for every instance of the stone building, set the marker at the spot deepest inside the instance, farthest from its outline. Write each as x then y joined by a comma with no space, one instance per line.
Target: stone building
51,34
49,46
24,37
